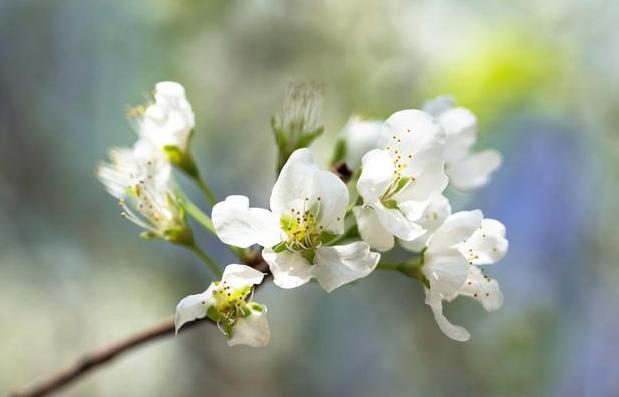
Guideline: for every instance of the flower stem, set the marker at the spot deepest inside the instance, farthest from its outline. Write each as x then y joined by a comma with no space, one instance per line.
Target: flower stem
199,215
208,261
202,218
208,193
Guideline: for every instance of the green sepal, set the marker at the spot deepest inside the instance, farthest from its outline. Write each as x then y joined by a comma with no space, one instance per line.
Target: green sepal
402,183
309,255
325,237
181,236
391,204
148,235
309,137
281,247
339,151
181,159
213,314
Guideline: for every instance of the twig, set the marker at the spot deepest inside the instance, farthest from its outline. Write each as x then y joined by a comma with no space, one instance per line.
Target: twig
105,354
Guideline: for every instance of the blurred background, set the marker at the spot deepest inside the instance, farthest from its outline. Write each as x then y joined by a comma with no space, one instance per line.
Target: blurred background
542,77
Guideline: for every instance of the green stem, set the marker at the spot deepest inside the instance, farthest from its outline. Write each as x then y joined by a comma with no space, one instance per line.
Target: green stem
202,218
208,193
199,215
208,261
397,267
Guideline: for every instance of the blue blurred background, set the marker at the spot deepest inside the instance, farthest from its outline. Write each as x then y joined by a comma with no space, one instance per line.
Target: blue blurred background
542,76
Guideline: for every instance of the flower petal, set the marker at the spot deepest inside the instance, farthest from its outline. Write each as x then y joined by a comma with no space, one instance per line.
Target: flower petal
290,270
455,332
360,136
376,175
237,224
487,245
414,137
434,215
397,224
431,182
447,272
474,171
193,307
341,264
457,228
301,185
371,230
241,275
460,127
482,288
252,330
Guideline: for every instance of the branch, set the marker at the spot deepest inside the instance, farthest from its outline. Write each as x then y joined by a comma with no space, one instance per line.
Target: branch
95,359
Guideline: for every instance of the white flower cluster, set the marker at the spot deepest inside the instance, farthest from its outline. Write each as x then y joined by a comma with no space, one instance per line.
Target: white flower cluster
141,177
320,226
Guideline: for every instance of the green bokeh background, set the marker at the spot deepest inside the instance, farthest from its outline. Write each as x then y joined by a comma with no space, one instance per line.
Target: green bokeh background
542,76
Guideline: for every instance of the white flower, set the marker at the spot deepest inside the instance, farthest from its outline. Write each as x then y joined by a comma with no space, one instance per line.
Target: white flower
466,170
228,303
434,215
142,180
464,241
169,121
398,183
308,206
359,136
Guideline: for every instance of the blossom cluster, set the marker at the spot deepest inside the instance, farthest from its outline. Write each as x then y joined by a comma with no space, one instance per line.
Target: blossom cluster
385,188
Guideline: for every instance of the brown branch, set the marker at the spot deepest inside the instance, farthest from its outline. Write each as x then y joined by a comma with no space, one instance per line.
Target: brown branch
105,354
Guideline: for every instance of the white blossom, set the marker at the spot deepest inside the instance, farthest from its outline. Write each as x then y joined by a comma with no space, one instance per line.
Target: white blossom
308,206
398,182
169,121
467,170
359,137
141,179
228,302
453,253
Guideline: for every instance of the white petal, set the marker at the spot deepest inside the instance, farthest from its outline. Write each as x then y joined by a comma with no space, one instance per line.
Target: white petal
371,230
241,275
290,270
237,224
455,332
170,119
341,264
252,330
415,137
376,175
434,215
447,272
456,229
487,245
474,171
431,182
360,137
193,307
397,224
301,179
460,127
482,288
